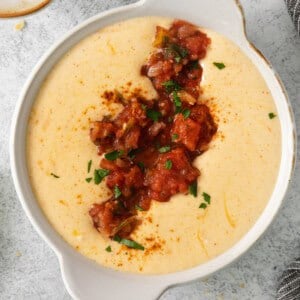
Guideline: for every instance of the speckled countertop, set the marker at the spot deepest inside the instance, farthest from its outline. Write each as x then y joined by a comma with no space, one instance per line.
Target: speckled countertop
30,270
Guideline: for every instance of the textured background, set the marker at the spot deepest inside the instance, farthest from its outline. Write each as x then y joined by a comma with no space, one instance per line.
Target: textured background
30,270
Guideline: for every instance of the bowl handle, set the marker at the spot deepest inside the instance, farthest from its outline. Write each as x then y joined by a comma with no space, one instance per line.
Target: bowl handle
86,280
223,16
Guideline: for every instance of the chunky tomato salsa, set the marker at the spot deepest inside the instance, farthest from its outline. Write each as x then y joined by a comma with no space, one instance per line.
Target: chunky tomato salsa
149,147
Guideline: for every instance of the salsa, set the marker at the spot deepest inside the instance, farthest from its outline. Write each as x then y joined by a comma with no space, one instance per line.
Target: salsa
149,147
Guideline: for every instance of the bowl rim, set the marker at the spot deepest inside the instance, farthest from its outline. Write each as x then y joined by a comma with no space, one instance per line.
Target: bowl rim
212,265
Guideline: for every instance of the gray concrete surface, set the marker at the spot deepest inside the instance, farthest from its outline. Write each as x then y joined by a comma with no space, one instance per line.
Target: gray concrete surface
30,270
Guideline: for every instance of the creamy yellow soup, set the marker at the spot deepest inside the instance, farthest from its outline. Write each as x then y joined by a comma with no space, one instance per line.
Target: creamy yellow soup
238,171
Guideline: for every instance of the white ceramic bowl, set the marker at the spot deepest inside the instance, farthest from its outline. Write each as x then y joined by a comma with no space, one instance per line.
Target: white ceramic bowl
83,278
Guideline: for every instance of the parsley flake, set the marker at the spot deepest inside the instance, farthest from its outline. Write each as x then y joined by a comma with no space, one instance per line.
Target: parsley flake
141,166
193,188
137,207
177,59
133,152
128,243
89,166
117,192
164,149
153,114
219,65
203,205
89,179
171,86
272,115
174,137
99,175
54,175
108,249
182,52
206,198
114,154
168,164
186,113
176,99
194,65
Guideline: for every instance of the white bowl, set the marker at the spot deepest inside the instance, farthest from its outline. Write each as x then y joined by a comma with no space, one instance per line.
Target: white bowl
83,278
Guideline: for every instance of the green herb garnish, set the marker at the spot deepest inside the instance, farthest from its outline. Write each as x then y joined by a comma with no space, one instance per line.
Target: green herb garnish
206,198
153,114
272,115
117,192
177,59
168,164
144,107
137,207
219,65
89,179
99,175
89,166
193,188
108,249
177,101
54,175
164,149
132,153
128,243
114,154
180,50
174,137
171,86
203,205
194,65
186,113
141,166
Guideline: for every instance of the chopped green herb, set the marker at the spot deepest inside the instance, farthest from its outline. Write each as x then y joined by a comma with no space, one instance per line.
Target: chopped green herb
171,86
176,99
153,114
194,65
99,175
89,166
141,166
177,59
186,113
180,50
114,154
174,137
219,65
168,164
164,149
108,249
128,243
132,153
144,107
117,192
203,205
137,207
206,198
193,188
272,115
54,175
89,179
